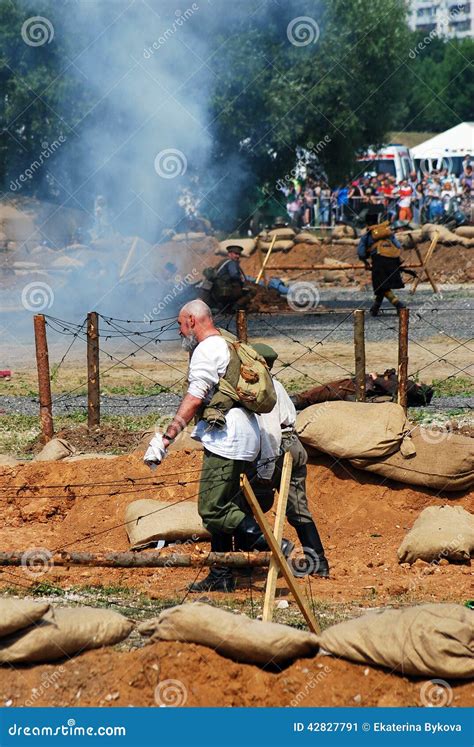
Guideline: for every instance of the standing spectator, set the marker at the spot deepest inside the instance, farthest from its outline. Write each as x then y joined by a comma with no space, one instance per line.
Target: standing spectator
342,197
404,203
309,196
466,179
294,204
419,203
325,205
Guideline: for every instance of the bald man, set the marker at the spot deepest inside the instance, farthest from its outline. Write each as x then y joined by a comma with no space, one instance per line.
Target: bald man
228,450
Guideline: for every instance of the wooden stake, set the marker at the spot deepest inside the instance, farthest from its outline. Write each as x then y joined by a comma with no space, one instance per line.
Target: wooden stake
278,555
241,324
359,352
264,263
403,358
282,500
424,264
44,382
334,267
93,381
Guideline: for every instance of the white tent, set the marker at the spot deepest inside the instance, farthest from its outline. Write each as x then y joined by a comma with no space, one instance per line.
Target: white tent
457,142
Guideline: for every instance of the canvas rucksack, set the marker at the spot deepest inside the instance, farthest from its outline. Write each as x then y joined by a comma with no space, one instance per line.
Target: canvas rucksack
254,388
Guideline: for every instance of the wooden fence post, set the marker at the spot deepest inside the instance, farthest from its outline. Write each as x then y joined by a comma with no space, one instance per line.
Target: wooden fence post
93,381
403,358
241,325
44,383
359,352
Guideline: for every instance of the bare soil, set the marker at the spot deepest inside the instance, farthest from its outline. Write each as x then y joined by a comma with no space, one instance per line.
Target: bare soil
362,519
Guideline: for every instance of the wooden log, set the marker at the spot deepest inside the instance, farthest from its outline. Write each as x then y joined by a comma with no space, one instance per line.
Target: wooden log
144,559
359,353
332,267
403,358
272,577
44,382
277,554
424,264
93,381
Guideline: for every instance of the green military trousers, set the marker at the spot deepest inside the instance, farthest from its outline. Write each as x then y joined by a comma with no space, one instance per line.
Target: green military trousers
220,498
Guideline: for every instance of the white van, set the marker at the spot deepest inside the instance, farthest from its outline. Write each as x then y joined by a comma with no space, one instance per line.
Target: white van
393,159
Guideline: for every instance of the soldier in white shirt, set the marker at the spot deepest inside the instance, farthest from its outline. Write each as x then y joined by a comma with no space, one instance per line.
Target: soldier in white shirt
278,435
228,451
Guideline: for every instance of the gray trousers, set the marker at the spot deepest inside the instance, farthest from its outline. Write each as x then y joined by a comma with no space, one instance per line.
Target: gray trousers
297,511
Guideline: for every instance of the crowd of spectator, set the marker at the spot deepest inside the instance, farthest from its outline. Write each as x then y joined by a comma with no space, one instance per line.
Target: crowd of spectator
421,198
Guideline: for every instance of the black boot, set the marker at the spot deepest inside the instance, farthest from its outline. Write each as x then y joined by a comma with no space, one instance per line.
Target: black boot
248,536
315,562
374,309
220,577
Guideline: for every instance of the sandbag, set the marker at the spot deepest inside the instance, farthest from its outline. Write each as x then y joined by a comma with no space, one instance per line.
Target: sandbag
286,232
248,246
445,235
466,231
16,614
190,236
430,640
446,464
343,231
148,521
7,460
354,429
64,632
279,246
439,532
306,237
54,451
235,636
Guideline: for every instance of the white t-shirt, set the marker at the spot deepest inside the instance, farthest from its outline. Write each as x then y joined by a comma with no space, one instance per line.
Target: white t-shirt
240,438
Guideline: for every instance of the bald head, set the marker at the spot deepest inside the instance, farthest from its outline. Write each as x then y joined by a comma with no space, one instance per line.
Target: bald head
198,309
195,323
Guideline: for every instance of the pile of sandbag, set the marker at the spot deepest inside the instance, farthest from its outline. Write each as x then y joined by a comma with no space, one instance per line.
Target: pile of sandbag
446,236
438,464
440,532
343,234
348,430
284,239
378,438
430,640
148,521
33,631
248,246
232,635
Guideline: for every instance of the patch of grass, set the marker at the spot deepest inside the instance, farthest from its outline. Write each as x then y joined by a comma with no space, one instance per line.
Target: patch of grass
46,589
461,386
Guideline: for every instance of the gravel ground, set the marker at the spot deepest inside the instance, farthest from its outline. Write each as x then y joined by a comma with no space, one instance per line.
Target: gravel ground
164,404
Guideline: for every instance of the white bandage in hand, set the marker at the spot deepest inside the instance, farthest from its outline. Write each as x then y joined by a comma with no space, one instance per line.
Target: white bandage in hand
156,451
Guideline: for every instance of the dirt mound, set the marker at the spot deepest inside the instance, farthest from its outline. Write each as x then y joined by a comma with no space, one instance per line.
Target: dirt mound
203,678
362,519
107,439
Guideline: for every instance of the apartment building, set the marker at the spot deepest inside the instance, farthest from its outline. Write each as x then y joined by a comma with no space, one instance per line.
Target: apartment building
446,18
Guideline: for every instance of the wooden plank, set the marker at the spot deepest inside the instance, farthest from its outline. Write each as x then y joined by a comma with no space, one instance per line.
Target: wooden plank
359,353
273,571
264,263
278,555
424,263
145,559
403,358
